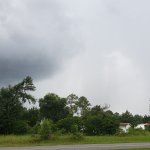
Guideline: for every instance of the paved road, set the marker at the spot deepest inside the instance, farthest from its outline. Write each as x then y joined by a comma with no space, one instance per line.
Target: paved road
83,147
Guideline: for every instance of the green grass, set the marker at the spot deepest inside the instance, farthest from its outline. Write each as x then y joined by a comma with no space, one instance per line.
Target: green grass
137,149
28,140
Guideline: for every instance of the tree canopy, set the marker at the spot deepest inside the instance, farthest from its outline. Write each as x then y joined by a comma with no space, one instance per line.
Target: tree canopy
12,99
66,114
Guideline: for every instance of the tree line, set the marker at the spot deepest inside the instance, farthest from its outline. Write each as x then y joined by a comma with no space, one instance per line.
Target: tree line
67,115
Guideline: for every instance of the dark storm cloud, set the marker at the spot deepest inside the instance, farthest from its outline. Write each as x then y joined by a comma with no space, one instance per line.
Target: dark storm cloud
36,37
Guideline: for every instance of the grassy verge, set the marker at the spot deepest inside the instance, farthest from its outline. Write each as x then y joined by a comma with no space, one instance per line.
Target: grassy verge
28,140
137,149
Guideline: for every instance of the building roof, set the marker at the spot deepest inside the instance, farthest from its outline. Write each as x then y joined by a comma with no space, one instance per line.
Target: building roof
124,124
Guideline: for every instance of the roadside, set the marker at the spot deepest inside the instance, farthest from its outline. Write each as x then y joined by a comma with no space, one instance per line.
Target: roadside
28,140
123,146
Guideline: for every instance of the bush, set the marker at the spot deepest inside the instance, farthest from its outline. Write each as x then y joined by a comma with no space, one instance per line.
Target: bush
74,129
35,129
120,132
138,131
45,129
77,136
21,127
69,124
131,131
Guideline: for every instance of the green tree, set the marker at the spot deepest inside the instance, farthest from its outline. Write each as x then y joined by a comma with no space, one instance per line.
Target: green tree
68,124
126,117
83,105
146,119
21,127
93,125
137,119
100,124
20,90
53,107
12,99
98,109
32,116
100,121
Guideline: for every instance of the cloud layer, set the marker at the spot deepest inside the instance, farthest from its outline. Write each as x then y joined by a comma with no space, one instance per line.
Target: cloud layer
95,48
35,38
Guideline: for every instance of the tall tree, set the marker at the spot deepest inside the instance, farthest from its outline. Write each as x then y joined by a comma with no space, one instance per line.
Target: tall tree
83,105
12,99
20,90
137,119
126,117
98,109
32,116
53,107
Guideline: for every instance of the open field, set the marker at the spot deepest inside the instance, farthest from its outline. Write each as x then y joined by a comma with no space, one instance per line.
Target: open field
28,140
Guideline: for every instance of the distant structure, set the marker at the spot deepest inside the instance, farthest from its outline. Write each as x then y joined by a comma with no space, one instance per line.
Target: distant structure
124,127
143,126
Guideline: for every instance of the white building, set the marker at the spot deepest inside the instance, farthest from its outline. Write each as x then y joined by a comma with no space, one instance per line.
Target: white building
142,126
124,127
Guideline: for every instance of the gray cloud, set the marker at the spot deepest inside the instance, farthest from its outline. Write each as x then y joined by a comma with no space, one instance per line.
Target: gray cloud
110,39
36,38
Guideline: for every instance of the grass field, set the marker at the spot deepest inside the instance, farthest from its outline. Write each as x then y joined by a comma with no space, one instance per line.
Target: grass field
28,140
137,149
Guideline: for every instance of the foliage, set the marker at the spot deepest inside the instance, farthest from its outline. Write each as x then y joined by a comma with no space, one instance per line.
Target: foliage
93,125
74,128
146,119
70,124
82,106
53,107
100,122
136,119
132,132
77,136
12,99
32,116
126,117
45,129
35,129
10,109
73,114
20,90
21,127
136,131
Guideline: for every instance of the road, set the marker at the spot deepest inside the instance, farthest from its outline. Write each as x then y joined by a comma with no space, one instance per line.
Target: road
83,147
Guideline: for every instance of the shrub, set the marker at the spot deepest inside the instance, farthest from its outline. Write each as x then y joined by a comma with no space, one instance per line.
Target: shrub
120,132
77,136
138,131
69,124
45,129
21,127
35,129
74,129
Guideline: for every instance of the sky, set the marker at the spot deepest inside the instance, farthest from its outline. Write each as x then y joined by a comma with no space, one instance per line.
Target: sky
99,49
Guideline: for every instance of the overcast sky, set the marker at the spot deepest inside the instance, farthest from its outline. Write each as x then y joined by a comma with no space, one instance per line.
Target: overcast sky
96,48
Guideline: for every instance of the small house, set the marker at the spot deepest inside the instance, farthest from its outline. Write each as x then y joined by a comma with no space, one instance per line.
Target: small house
143,126
124,127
